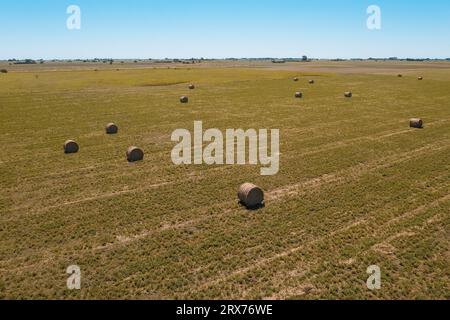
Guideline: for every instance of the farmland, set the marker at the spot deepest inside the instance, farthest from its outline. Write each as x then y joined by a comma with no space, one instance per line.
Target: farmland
356,186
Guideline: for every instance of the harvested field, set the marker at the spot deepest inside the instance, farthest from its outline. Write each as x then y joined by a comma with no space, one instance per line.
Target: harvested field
356,186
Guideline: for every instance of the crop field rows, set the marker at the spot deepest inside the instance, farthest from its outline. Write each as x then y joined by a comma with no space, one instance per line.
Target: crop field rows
356,186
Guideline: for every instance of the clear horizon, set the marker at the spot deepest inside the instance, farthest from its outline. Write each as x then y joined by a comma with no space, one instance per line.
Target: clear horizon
228,58
158,29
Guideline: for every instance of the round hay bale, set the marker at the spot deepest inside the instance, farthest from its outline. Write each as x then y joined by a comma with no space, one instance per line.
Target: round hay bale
135,154
348,94
295,79
184,99
4,71
420,78
191,87
311,81
416,123
399,75
70,146
298,94
251,196
111,128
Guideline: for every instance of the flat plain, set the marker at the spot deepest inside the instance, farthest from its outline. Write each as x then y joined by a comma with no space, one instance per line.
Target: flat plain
357,187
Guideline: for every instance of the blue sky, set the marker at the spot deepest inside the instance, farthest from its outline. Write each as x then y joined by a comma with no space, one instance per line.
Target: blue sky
224,28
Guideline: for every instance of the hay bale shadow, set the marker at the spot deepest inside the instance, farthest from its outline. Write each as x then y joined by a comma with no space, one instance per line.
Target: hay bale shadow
254,208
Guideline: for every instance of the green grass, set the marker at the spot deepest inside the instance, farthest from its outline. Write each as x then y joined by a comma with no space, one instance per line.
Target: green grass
356,186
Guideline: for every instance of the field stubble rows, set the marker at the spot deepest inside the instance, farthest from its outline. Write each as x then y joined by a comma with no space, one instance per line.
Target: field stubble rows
353,183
